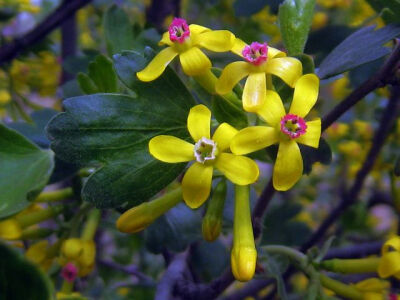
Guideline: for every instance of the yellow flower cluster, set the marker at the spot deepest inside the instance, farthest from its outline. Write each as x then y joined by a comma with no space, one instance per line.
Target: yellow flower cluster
81,253
225,149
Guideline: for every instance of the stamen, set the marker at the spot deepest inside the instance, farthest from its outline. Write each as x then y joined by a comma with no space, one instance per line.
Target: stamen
178,30
69,272
293,126
256,53
205,150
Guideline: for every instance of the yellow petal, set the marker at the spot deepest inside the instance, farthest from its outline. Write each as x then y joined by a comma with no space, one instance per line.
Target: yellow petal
223,136
274,53
243,262
37,252
217,40
171,149
288,166
194,62
273,109
157,66
312,135
197,29
231,75
305,95
391,244
72,248
238,47
253,138
198,122
196,184
288,69
89,253
165,40
389,264
239,169
254,92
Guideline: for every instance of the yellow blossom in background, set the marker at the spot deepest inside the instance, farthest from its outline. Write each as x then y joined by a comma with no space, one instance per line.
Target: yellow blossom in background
38,253
351,149
69,296
334,3
341,88
269,24
81,253
5,97
389,264
320,19
84,17
373,288
337,130
363,129
360,12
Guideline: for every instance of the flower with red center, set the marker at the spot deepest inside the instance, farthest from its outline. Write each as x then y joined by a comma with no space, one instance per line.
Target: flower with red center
186,41
69,272
287,129
178,30
261,62
255,53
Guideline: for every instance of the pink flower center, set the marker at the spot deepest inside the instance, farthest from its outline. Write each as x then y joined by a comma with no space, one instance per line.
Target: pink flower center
178,30
69,272
293,126
256,53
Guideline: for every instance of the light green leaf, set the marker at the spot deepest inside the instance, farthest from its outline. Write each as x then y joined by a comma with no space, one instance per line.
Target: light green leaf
86,84
24,171
295,17
118,31
102,74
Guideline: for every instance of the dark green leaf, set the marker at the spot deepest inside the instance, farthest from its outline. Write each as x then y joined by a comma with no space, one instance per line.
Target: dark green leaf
226,111
102,73
295,17
174,231
307,62
246,8
363,46
388,9
24,171
20,279
396,169
311,155
118,31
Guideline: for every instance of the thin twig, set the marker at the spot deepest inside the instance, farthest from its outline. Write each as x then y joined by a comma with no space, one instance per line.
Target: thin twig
131,270
55,19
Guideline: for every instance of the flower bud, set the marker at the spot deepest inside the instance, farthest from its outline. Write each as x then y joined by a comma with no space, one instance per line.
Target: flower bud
141,216
72,248
212,221
10,230
244,253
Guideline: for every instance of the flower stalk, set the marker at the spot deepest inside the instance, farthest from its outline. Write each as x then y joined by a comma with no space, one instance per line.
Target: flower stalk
53,196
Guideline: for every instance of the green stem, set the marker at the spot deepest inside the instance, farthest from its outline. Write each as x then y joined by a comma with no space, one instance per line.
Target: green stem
53,196
36,233
340,288
67,287
38,216
395,192
92,222
349,266
287,251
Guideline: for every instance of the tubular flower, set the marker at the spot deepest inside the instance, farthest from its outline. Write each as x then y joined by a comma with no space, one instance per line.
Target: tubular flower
373,289
286,129
80,253
206,153
186,41
39,254
389,264
261,62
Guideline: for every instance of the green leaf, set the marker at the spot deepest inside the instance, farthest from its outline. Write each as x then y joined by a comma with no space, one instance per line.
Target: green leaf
86,84
24,171
118,31
102,73
324,250
226,111
290,232
363,46
311,155
174,231
112,131
295,17
20,279
307,62
388,9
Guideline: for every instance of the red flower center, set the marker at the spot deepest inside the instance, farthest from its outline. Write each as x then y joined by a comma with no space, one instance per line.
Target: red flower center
256,53
293,126
178,30
69,272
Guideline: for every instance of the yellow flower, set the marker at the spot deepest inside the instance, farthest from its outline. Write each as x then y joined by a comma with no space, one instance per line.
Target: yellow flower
261,61
38,253
389,264
337,130
373,288
10,229
206,153
69,296
320,19
285,129
5,97
364,129
186,41
81,253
